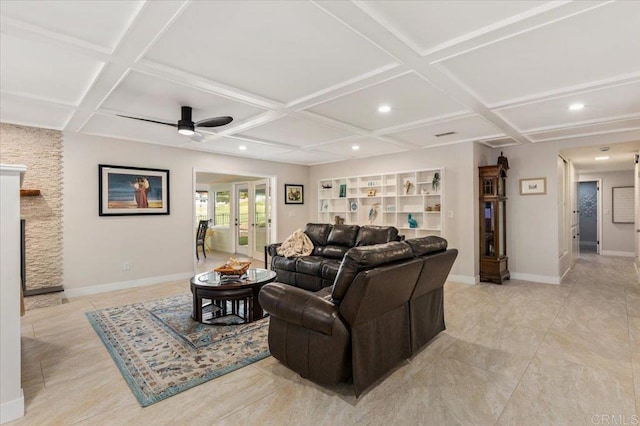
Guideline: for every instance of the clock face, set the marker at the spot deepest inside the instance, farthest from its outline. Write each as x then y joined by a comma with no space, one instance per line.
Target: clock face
354,206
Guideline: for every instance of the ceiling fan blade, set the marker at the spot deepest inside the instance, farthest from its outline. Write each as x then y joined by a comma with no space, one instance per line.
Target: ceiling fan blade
214,122
197,137
150,121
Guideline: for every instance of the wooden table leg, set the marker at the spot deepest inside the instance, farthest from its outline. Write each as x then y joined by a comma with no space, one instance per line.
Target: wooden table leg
196,313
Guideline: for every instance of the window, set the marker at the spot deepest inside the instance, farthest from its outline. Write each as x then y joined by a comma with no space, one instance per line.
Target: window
202,205
222,208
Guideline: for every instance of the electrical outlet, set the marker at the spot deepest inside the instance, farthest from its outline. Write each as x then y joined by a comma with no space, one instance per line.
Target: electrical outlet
126,266
450,214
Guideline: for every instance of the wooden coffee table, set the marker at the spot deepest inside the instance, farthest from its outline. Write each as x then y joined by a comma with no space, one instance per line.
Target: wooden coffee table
222,289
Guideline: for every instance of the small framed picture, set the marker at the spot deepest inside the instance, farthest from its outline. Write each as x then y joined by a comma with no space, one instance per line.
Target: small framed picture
371,193
132,191
533,186
293,194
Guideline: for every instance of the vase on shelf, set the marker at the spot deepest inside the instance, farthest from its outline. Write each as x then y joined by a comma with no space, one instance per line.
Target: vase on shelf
435,183
412,222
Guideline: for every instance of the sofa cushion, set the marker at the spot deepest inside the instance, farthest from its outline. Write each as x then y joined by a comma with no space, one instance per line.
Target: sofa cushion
426,245
360,258
335,252
318,233
284,263
311,265
343,235
330,269
370,234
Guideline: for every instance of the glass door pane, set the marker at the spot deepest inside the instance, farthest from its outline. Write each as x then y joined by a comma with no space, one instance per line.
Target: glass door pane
489,230
260,219
242,218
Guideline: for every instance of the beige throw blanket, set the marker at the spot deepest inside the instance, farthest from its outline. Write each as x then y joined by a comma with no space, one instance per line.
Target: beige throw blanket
296,245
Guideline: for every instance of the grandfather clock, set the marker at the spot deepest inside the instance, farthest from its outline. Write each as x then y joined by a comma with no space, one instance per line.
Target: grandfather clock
494,265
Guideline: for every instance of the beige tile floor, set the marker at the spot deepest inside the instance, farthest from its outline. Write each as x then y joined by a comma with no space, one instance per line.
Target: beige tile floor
517,354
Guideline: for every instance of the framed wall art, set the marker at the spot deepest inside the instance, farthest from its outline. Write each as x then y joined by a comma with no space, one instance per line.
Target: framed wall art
131,191
293,194
533,186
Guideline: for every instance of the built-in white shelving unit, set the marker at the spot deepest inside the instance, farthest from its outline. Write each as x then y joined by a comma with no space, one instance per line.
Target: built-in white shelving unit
392,196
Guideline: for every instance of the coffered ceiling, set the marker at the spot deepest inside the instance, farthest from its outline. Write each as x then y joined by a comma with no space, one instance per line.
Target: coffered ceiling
303,80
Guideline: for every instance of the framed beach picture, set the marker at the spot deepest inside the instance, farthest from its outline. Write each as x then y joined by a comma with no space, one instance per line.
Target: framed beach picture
131,191
293,194
533,186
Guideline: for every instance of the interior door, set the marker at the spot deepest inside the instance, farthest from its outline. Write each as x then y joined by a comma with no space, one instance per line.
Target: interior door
242,205
261,217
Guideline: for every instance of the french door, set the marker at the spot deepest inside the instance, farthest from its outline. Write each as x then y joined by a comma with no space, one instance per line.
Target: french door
253,218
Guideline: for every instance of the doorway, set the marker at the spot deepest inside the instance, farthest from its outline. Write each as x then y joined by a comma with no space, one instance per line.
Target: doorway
588,208
239,209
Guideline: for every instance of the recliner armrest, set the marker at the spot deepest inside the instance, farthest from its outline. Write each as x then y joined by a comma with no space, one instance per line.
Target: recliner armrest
300,307
272,249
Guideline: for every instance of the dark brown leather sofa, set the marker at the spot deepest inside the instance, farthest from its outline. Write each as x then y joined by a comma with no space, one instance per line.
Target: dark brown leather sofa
330,244
385,304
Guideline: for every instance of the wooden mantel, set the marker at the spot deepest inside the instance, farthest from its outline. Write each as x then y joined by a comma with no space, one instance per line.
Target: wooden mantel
30,193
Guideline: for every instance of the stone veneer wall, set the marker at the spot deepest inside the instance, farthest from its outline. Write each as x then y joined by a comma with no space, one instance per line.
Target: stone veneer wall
41,151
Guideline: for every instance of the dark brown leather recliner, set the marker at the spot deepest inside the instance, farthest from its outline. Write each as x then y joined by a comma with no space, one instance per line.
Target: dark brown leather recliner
363,327
426,306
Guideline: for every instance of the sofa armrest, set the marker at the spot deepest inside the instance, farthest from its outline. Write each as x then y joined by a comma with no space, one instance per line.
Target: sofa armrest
299,307
272,249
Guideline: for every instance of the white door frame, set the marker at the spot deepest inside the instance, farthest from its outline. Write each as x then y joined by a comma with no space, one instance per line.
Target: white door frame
273,182
246,250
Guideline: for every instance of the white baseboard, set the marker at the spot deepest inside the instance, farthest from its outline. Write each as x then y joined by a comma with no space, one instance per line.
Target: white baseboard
12,410
535,278
122,285
617,253
463,279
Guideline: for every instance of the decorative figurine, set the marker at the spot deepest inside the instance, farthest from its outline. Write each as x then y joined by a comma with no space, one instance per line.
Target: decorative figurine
502,160
412,222
435,183
407,187
373,213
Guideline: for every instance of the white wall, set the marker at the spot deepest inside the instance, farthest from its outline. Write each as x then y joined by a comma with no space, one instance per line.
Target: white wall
11,396
157,247
460,165
617,238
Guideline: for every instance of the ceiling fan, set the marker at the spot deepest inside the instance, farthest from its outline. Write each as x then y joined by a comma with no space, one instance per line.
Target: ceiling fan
186,126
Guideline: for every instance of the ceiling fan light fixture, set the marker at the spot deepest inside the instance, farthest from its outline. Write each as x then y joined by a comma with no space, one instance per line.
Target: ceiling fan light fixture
186,131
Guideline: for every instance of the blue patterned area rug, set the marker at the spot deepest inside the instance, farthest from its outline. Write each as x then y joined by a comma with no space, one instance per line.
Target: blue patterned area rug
161,351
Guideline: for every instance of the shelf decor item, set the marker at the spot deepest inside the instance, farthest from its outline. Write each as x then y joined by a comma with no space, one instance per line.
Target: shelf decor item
435,183
412,222
371,193
354,206
326,186
293,194
373,213
407,186
343,190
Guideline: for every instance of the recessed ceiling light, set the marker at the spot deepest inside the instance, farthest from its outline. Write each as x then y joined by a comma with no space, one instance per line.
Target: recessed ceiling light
576,107
606,157
355,147
384,108
242,148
